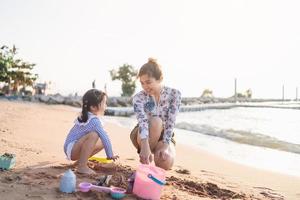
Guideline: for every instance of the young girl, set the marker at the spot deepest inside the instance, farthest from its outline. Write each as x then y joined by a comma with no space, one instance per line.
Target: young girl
87,137
156,108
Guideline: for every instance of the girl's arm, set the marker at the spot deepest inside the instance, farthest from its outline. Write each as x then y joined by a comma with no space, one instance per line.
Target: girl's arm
175,101
104,137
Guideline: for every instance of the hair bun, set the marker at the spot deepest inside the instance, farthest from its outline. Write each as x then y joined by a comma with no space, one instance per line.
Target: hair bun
153,60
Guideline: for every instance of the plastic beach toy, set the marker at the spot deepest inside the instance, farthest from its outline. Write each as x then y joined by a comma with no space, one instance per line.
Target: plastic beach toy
68,182
149,181
115,192
100,160
7,161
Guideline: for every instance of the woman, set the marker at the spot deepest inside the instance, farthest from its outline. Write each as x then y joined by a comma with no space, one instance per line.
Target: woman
156,108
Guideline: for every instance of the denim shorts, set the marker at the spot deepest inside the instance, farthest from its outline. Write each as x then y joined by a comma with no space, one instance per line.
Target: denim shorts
135,132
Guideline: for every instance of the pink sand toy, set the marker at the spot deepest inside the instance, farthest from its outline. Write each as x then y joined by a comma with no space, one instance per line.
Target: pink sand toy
115,192
149,181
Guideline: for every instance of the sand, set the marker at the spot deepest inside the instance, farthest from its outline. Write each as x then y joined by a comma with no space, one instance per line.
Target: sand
36,132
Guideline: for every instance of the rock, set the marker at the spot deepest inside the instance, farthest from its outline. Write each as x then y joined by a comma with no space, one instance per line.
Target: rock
121,102
112,102
56,99
73,101
43,98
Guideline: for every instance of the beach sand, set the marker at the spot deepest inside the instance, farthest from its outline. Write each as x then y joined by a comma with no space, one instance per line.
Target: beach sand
36,132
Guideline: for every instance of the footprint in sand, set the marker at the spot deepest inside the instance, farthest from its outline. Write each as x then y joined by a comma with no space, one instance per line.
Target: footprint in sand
11,178
63,166
183,171
273,196
34,197
269,193
4,141
41,175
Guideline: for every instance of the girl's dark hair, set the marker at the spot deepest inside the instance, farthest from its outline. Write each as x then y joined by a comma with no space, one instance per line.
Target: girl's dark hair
152,69
92,97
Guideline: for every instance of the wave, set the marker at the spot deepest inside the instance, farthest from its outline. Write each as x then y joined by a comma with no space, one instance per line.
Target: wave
241,136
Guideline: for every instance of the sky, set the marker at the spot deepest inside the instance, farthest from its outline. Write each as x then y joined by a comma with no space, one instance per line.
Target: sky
199,44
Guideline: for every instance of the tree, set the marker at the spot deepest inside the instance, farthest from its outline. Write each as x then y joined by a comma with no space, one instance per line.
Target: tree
6,60
207,93
15,72
127,75
248,93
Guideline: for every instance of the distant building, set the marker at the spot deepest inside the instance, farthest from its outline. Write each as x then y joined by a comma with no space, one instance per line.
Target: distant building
40,88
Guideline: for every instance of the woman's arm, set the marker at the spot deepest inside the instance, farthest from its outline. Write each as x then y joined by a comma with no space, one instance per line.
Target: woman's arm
138,106
175,101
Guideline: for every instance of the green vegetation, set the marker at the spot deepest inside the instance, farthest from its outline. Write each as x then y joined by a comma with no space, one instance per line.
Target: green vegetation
127,75
15,72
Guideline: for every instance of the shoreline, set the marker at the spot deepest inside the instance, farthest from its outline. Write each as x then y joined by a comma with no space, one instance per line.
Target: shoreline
248,154
122,106
36,132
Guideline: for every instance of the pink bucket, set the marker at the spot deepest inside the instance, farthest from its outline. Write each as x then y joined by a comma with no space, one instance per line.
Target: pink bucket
149,181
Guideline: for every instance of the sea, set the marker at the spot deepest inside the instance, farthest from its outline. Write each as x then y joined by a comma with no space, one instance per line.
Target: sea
264,138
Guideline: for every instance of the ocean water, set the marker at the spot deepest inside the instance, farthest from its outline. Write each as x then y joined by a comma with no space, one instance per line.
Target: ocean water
265,138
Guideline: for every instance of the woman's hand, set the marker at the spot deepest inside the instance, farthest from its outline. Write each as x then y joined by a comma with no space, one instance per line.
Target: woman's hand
145,154
163,152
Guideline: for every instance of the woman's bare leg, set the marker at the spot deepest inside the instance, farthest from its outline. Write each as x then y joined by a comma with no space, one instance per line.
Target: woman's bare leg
155,129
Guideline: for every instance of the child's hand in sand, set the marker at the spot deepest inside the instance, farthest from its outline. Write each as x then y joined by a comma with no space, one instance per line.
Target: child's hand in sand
114,158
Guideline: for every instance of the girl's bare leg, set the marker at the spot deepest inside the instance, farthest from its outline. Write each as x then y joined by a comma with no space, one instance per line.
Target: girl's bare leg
88,145
98,148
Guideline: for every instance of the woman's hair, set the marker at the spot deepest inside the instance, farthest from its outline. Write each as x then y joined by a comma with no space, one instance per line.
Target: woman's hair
152,69
92,97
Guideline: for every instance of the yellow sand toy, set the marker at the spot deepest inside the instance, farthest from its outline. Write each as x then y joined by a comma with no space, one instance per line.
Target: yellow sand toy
100,160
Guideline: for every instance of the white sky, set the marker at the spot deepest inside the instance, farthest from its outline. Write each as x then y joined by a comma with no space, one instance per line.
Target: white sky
200,44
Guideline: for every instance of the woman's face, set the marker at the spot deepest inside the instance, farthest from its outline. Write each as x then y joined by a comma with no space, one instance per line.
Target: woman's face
150,84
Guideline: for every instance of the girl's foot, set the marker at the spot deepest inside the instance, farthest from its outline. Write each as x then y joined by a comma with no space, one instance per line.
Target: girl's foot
75,163
85,170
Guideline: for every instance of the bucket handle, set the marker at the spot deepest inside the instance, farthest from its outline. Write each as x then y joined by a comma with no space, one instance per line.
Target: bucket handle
159,182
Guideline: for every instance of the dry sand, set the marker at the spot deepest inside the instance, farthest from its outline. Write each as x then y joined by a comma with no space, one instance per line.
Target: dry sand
36,133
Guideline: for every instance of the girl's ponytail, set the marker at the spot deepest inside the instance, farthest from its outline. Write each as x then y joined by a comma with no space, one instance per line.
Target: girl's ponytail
84,113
